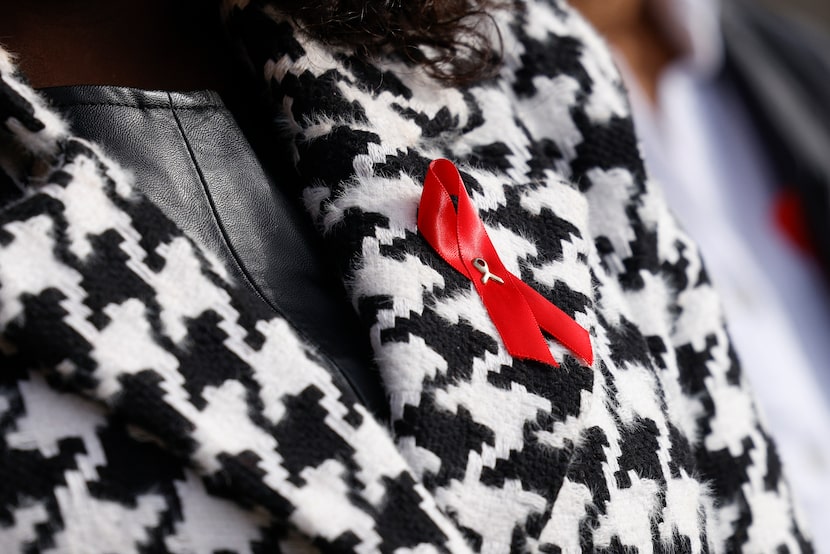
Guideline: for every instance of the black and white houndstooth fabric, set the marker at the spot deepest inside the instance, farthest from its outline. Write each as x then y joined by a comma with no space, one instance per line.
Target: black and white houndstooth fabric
147,404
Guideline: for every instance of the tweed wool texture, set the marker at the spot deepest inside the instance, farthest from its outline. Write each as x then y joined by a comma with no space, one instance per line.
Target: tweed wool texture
147,404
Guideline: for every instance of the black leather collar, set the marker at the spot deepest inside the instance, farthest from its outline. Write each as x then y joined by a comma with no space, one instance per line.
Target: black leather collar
191,159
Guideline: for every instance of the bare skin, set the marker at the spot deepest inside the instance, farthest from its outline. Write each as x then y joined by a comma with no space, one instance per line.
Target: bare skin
630,27
146,44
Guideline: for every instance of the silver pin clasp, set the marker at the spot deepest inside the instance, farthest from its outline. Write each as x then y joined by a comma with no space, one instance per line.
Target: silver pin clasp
481,265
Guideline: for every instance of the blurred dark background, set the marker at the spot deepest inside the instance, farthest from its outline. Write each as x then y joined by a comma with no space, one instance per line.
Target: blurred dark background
817,11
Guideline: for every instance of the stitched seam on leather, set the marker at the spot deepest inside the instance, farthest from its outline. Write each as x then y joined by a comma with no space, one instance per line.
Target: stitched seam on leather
334,367
213,209
137,107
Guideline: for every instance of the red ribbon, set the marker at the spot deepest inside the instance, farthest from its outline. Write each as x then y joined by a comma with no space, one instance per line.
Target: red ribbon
518,312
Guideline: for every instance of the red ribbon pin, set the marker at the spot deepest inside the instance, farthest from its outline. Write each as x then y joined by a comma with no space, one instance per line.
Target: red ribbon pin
518,312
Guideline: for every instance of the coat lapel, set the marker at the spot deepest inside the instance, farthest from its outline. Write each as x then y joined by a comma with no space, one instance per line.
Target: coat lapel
479,427
102,291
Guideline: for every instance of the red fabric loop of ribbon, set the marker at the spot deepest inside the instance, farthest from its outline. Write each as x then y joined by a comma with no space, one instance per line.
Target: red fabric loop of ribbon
518,312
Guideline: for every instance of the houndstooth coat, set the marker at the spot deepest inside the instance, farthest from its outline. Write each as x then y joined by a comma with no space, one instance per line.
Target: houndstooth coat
149,404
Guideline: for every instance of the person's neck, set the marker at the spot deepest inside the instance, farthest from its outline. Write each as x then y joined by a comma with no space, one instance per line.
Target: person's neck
632,30
151,44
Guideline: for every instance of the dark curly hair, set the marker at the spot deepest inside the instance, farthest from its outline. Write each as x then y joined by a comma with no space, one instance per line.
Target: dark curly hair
456,41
